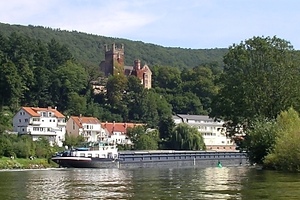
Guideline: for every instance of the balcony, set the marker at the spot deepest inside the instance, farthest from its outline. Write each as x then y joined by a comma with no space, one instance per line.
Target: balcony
61,123
35,122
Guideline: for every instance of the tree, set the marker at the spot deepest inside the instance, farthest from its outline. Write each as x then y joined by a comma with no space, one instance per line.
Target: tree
286,152
143,139
260,140
116,86
260,79
10,85
185,137
166,126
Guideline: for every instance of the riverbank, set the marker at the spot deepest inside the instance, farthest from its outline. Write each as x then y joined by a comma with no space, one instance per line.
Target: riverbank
23,163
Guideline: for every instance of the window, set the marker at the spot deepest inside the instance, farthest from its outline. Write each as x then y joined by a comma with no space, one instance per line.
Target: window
23,129
50,120
26,120
19,120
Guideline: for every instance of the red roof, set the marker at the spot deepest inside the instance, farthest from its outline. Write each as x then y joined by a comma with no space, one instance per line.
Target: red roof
85,120
33,111
118,127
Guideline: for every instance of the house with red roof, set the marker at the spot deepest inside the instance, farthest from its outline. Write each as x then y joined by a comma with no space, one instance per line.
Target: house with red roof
88,127
117,132
41,122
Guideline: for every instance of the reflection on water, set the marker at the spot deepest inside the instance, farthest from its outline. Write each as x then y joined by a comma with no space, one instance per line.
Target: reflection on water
79,184
149,183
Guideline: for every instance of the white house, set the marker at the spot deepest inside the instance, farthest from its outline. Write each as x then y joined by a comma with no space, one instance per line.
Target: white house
117,132
213,132
88,127
41,122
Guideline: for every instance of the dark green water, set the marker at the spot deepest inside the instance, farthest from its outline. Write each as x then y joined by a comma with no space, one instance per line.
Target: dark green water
199,183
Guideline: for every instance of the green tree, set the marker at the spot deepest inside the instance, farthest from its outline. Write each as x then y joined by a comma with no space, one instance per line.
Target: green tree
166,126
10,85
72,141
185,137
116,86
260,140
143,139
286,152
260,79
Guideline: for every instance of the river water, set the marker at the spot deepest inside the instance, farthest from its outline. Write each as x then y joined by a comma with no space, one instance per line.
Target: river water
149,183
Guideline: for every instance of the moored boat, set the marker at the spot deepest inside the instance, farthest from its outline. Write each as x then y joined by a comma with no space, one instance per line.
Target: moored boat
91,155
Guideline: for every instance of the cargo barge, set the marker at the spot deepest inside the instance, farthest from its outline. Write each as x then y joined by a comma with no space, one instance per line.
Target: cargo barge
108,156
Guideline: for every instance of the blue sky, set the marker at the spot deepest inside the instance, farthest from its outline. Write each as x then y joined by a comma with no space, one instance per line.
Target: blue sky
196,24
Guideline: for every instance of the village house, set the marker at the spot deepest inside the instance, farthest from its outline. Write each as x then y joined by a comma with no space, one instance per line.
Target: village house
87,127
114,65
213,132
117,132
41,122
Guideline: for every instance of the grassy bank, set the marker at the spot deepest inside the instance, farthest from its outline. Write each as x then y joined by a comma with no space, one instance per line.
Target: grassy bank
23,163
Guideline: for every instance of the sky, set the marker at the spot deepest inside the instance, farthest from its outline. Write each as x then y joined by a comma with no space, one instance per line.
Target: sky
195,24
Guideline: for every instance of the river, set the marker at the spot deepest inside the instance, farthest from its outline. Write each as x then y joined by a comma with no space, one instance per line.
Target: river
148,183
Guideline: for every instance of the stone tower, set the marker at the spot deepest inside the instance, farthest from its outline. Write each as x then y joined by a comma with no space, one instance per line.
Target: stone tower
114,60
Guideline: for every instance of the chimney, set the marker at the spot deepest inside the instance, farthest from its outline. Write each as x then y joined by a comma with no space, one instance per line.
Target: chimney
49,107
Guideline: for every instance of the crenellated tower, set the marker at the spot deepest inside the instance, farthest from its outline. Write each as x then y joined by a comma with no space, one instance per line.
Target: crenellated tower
114,60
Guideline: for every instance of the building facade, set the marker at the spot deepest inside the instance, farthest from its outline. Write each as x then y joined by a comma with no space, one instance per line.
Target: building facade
213,132
87,127
41,122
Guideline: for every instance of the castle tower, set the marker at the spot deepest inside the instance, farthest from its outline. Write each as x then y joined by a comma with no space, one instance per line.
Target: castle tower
114,60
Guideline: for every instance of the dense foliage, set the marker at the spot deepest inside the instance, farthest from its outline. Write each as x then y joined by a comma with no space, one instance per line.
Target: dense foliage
261,78
15,146
285,154
47,74
89,48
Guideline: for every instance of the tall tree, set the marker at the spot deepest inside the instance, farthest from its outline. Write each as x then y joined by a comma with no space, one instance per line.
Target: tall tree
261,78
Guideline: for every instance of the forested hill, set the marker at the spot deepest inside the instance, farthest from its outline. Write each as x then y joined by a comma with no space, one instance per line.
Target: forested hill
89,48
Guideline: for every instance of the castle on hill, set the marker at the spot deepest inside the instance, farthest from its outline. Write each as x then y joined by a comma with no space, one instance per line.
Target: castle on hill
114,64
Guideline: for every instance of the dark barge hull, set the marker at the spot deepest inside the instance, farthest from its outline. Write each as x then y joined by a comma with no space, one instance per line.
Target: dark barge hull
77,162
169,159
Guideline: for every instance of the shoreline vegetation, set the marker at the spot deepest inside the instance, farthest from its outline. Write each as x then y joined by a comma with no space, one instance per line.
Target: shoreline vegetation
26,163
